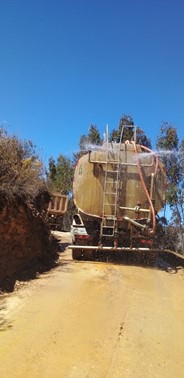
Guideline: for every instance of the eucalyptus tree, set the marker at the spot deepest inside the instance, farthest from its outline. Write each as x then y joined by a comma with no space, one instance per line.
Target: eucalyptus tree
128,132
171,152
87,141
60,174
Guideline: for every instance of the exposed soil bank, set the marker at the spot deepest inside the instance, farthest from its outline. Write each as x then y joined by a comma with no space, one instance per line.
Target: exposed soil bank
25,244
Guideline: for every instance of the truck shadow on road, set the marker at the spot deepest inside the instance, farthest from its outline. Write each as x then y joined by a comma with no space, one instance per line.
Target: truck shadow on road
170,262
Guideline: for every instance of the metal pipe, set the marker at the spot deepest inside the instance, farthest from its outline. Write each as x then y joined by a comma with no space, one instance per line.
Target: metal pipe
115,162
134,209
100,248
135,223
151,190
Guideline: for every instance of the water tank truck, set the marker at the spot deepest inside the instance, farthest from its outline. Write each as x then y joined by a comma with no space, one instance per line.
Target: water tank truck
118,190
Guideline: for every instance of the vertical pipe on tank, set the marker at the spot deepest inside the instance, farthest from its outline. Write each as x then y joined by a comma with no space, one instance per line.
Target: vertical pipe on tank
152,210
135,134
151,192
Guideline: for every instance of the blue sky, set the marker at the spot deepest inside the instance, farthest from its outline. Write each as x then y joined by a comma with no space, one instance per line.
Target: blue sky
67,64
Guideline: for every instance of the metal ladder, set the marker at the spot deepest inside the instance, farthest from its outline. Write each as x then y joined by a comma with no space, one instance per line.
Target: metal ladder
111,181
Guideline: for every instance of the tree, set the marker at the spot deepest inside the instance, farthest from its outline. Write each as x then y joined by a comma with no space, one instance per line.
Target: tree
167,146
87,142
142,138
92,138
60,174
21,171
125,120
128,132
52,169
172,155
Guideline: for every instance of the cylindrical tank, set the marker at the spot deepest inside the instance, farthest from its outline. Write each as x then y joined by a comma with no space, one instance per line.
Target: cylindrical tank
124,179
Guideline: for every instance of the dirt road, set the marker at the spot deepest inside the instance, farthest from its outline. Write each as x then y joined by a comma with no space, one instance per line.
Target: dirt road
94,320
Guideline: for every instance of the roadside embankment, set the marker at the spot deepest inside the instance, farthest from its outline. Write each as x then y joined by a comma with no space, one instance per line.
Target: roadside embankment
26,246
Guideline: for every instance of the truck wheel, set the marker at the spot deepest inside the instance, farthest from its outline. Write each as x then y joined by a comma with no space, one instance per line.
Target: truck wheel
76,254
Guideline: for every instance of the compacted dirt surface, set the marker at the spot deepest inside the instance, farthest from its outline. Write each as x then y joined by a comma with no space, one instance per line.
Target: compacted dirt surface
94,320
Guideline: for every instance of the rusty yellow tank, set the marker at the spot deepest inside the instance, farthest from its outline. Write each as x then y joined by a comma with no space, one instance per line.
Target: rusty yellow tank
126,181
